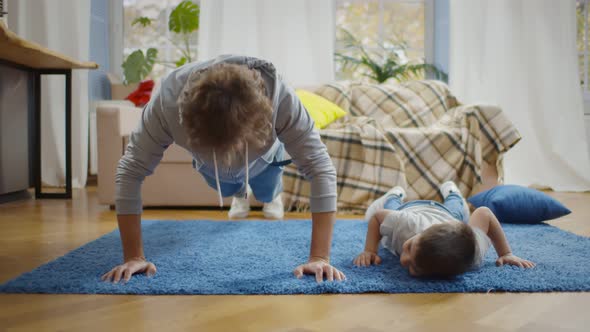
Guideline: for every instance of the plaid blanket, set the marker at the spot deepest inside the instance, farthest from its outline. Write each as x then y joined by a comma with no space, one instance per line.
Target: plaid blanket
414,134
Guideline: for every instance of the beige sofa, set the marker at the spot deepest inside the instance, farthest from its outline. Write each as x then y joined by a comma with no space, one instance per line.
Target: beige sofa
174,182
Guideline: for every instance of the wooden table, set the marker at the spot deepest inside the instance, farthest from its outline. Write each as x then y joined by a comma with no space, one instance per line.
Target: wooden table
38,61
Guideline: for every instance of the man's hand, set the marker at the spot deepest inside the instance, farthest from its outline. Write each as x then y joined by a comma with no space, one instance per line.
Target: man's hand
510,259
131,267
366,258
319,268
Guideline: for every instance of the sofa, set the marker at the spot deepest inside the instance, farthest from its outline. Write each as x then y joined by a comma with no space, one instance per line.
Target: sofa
369,124
174,182
415,134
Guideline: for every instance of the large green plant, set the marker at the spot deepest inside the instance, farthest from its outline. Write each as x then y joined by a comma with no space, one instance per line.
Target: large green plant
384,63
183,21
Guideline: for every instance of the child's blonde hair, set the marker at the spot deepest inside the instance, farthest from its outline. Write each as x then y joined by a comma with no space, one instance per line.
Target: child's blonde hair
224,107
446,250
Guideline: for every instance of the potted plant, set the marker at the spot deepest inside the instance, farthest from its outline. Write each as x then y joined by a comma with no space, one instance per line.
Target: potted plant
386,62
182,22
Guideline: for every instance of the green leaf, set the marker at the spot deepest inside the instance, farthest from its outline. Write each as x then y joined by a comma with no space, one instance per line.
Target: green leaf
144,21
152,53
184,18
429,69
181,62
138,66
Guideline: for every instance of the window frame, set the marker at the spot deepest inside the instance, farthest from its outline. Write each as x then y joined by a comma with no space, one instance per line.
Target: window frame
584,52
117,37
429,20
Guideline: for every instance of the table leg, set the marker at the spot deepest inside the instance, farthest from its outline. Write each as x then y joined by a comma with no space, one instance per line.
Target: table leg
68,133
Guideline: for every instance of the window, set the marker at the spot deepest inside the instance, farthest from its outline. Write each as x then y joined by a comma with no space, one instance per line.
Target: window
383,22
373,22
156,35
583,40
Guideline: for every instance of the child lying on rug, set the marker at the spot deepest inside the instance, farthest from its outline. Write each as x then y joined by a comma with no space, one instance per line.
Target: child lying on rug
434,239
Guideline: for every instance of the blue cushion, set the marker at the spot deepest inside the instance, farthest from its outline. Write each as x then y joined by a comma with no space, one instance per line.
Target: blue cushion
519,205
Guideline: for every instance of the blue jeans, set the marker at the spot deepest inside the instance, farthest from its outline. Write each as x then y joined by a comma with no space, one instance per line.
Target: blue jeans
453,204
265,186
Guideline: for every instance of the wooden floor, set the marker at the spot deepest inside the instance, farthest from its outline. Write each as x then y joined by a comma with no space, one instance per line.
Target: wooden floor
35,232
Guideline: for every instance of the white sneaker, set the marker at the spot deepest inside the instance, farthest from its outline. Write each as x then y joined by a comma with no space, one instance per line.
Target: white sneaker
274,209
380,202
240,207
449,187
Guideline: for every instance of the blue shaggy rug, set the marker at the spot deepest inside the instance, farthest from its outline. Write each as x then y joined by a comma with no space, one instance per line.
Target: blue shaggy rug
211,257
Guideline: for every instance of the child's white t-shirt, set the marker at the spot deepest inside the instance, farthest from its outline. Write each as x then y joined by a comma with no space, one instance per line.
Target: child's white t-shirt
400,225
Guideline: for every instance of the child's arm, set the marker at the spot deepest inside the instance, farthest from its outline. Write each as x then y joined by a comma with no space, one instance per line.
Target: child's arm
369,255
484,219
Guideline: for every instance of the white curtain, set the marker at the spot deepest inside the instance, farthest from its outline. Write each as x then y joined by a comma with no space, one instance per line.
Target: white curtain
63,26
297,36
522,56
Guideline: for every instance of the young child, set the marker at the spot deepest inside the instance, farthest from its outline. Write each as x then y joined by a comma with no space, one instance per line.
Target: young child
235,117
434,239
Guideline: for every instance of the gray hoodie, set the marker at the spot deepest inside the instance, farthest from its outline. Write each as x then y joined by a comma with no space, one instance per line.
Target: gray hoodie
160,126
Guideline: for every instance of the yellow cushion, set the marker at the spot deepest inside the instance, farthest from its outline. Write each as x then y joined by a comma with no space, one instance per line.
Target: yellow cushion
322,111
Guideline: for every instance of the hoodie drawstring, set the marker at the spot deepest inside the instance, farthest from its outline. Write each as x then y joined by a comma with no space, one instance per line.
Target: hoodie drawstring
217,180
247,171
217,175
